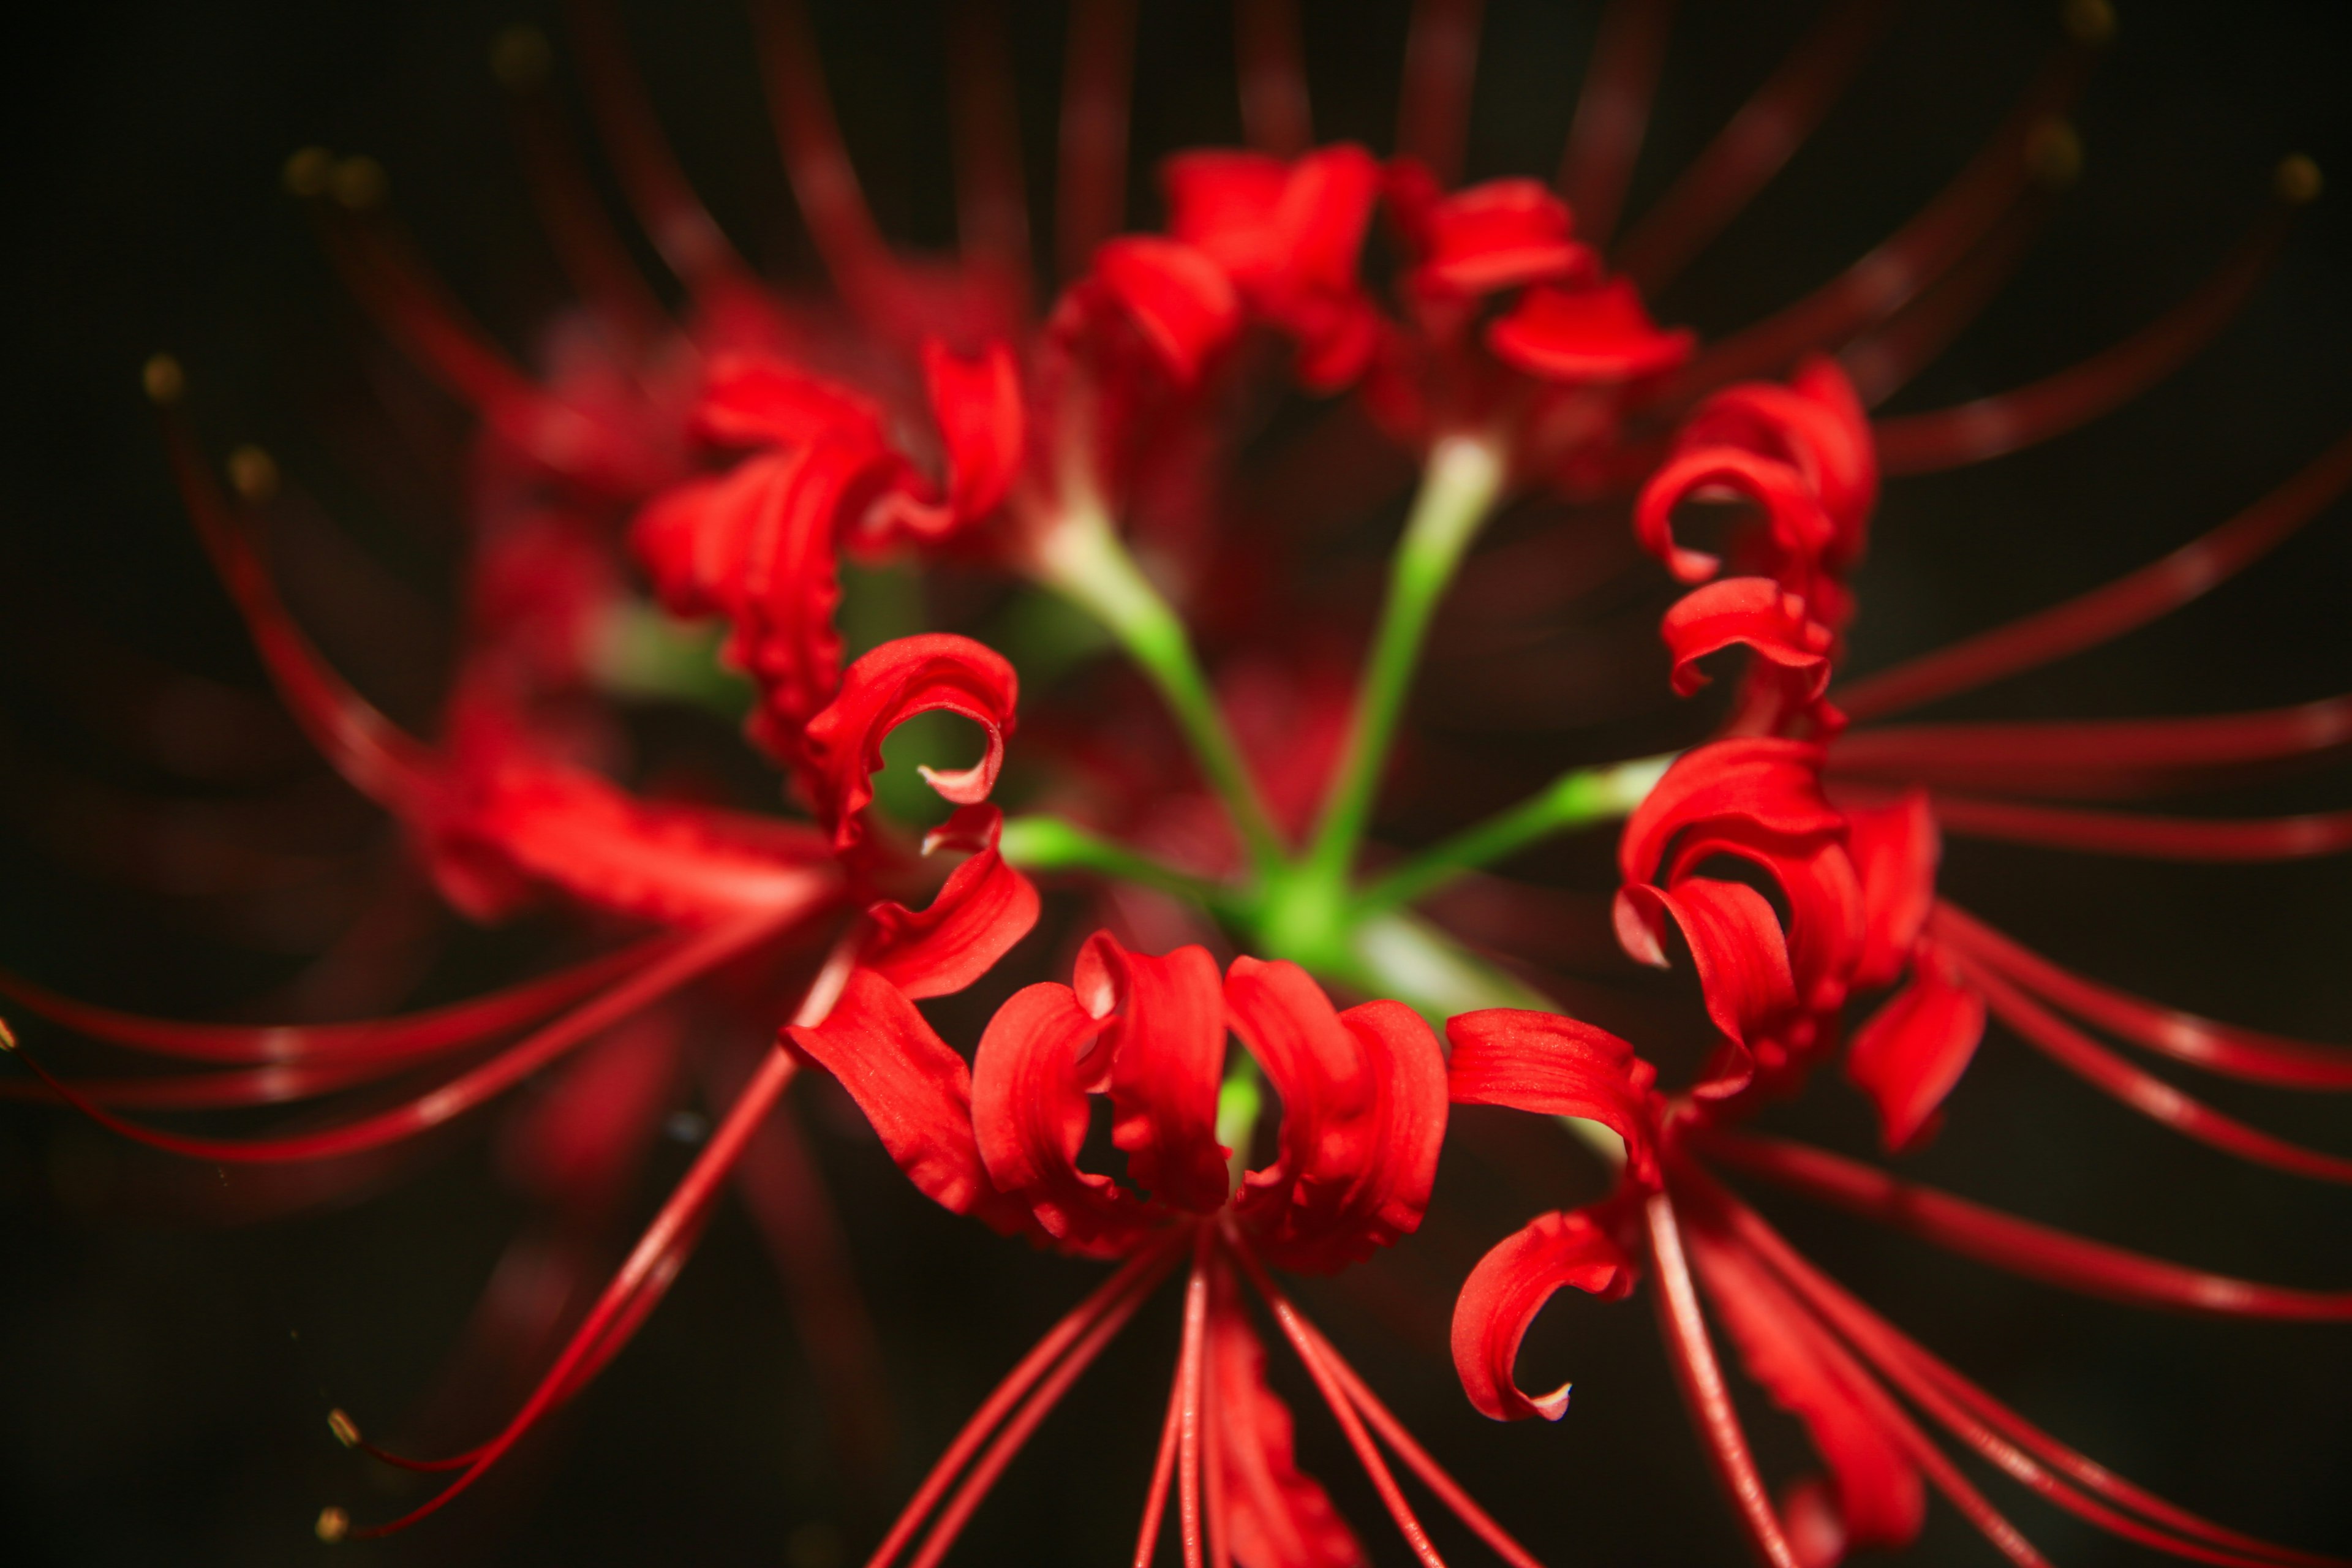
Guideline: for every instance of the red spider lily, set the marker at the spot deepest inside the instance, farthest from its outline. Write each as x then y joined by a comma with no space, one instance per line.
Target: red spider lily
1363,1114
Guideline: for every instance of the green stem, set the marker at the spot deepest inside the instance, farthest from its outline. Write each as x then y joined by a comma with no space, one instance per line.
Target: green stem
1042,843
1573,800
1080,556
1458,489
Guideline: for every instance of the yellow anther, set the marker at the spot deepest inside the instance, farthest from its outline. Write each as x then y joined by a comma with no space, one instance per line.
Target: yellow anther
307,170
346,1430
519,57
2054,154
333,1525
7,1036
163,380
2298,180
2088,21
253,473
357,182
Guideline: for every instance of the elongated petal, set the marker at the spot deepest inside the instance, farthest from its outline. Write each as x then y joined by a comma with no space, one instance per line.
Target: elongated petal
1164,1025
1509,1286
1913,1050
1895,849
1179,300
1753,612
1029,1117
1276,1515
915,1091
1552,1066
1596,335
983,907
933,672
1363,1099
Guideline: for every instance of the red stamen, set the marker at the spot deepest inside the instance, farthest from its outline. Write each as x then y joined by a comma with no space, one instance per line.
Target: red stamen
1090,200
1612,112
1193,1374
1871,290
2109,611
2144,1092
680,227
1275,115
1700,1377
705,952
1136,1276
2201,1042
1163,1466
1882,363
416,313
1748,152
2019,1246
992,201
1990,427
1441,64
823,182
1303,1341
1402,1444
2154,838
2097,757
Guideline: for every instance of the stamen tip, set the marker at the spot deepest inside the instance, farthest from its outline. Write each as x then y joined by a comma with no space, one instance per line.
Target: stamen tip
7,1036
346,1430
1552,1405
2054,154
307,170
333,1525
2088,22
357,184
253,473
163,380
519,57
2298,180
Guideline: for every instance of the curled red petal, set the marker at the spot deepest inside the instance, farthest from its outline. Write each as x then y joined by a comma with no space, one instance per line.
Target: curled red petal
1364,1103
1800,527
1895,849
1599,333
977,403
933,672
1029,1081
1773,786
1163,1022
1509,1286
1499,234
1553,1066
915,1091
753,401
1180,299
980,911
1741,956
1913,1050
1753,612
1816,426
1276,1515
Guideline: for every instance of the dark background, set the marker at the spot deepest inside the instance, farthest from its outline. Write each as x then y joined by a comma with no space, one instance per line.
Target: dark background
166,1380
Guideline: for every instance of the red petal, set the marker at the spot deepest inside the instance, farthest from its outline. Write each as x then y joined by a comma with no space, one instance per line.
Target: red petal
1164,1023
753,401
1755,612
933,672
1741,955
977,403
1913,1049
1509,1286
1178,298
1494,235
1895,849
1363,1103
1029,1116
1601,333
983,907
1800,527
1770,786
1276,1515
916,1093
1553,1066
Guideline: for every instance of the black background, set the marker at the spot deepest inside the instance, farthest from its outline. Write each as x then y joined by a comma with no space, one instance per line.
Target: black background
165,1382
